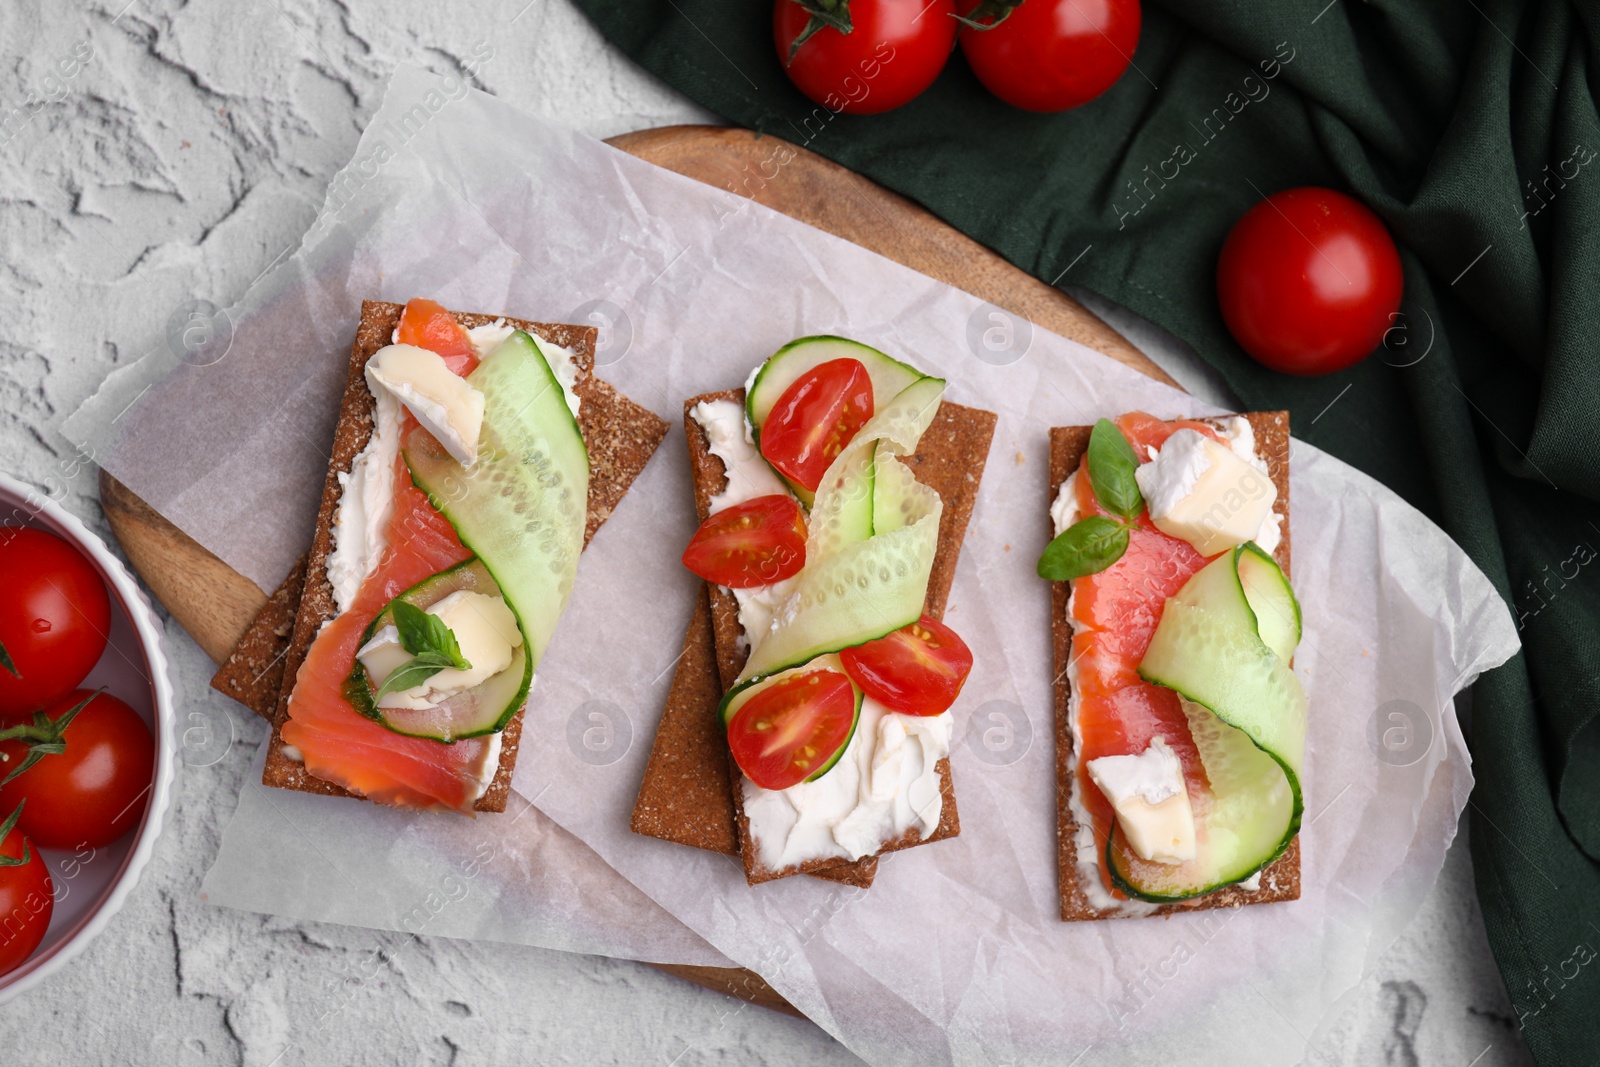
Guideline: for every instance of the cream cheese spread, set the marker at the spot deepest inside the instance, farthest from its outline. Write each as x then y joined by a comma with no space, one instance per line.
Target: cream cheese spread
366,502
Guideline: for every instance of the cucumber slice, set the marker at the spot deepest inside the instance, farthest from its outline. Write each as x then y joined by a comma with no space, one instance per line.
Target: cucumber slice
850,593
870,546
1271,600
869,589
1213,649
522,506
1249,819
849,504
483,709
841,513
739,694
785,366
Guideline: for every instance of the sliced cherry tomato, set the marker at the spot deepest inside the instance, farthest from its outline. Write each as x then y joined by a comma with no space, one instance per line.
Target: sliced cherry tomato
918,669
426,324
1309,281
790,730
95,790
894,50
27,896
1049,55
815,418
758,542
54,618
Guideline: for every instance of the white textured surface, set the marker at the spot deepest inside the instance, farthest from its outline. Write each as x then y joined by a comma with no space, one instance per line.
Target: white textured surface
179,160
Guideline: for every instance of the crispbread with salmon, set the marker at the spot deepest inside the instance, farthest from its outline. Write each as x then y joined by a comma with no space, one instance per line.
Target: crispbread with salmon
1281,879
620,437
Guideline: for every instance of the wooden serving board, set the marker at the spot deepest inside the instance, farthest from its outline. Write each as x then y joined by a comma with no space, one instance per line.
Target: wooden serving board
215,603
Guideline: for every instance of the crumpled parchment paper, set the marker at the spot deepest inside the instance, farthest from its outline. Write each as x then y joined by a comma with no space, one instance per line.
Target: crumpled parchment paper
955,955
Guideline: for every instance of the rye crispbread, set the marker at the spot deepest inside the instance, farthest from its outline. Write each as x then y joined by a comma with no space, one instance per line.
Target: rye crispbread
1281,880
253,672
620,437
950,459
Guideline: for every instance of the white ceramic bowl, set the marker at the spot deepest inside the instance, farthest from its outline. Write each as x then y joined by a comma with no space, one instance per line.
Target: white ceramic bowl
90,889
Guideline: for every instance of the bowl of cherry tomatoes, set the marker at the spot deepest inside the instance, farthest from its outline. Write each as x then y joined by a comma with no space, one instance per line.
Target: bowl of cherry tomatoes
87,752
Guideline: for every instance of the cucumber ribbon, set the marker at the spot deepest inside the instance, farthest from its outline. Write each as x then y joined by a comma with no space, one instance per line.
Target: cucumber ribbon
871,539
1224,643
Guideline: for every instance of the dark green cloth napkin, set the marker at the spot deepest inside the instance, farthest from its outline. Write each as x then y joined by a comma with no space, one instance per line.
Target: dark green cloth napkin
1472,130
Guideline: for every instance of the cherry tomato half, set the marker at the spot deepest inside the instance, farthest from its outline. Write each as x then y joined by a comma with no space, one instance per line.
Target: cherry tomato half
1050,55
815,419
1309,281
918,669
425,324
790,730
97,789
54,618
27,899
758,542
895,50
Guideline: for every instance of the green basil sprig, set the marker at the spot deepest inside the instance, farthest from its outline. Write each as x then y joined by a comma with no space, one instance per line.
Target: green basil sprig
8,663
432,645
1091,545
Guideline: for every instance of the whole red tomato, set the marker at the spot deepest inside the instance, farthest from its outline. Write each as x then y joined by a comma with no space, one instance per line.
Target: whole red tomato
54,618
26,896
894,50
95,790
1049,55
1309,280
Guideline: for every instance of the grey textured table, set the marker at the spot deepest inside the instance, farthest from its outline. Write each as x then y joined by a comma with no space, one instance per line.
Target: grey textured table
157,152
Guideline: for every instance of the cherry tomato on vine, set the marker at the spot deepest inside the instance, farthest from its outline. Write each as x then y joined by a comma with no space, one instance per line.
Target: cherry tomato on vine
55,615
27,897
1309,281
863,57
1049,55
757,542
789,731
918,669
815,419
95,789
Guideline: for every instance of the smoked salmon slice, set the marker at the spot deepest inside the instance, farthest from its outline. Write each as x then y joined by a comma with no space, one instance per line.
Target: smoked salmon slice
1114,615
337,743
426,324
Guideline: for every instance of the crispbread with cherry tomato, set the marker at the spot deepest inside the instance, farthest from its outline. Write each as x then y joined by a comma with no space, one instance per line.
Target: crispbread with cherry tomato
950,460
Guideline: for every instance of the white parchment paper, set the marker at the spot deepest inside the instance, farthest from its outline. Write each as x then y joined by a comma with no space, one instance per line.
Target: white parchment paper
955,955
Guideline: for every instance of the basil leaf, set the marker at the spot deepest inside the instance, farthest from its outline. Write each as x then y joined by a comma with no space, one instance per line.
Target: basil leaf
413,672
8,663
1086,547
1112,462
422,634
